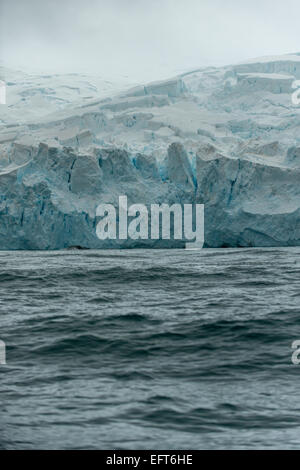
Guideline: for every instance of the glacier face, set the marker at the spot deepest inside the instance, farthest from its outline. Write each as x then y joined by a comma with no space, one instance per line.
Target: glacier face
225,137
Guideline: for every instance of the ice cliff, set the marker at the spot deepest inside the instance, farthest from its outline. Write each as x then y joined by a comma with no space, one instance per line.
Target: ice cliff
226,137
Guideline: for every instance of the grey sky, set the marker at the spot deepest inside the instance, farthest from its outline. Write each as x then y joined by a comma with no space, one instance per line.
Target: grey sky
143,39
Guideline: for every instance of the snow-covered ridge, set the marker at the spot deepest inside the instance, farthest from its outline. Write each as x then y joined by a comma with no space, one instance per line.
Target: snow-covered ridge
227,137
32,96
276,58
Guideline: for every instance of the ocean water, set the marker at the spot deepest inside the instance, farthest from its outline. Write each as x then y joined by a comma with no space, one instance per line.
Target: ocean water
150,349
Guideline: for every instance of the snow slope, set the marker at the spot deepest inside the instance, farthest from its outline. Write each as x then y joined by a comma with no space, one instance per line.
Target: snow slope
226,137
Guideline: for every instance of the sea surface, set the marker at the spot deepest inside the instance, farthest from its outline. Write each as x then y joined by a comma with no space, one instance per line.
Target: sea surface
150,349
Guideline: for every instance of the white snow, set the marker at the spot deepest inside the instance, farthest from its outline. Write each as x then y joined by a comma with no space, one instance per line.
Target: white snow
274,58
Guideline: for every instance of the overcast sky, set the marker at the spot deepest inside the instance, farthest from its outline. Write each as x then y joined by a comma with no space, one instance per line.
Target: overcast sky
143,39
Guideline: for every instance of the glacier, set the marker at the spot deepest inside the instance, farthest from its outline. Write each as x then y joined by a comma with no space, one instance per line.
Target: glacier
225,137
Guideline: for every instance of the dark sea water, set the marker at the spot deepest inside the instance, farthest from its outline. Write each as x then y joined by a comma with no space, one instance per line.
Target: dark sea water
150,349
